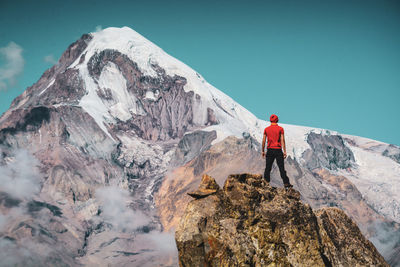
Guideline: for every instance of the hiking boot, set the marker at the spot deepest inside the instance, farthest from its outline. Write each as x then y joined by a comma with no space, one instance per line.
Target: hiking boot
288,186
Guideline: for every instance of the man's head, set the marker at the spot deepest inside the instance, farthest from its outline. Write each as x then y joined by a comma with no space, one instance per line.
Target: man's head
273,118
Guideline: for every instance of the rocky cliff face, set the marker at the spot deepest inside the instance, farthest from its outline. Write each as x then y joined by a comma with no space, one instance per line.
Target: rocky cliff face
247,223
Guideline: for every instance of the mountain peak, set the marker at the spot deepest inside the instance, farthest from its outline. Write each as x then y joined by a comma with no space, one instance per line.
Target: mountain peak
120,47
128,42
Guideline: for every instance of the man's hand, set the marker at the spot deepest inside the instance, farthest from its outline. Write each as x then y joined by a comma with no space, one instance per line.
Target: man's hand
284,155
263,154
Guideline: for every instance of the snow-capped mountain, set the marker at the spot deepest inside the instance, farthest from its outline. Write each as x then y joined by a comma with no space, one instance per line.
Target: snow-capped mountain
121,131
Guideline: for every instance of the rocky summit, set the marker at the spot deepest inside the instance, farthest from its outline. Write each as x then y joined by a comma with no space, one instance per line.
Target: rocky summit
249,223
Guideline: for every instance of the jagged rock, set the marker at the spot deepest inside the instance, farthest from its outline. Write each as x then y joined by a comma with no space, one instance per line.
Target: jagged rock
328,151
343,243
248,223
208,186
392,152
191,145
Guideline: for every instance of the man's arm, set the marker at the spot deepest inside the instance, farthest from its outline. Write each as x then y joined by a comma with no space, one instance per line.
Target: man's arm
263,145
283,145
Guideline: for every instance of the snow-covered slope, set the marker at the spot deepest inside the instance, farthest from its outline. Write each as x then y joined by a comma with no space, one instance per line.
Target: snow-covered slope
376,176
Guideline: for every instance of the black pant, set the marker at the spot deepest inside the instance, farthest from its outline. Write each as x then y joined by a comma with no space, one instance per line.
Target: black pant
273,154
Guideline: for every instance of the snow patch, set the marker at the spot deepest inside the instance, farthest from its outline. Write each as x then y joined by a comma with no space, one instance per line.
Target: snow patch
140,151
151,96
122,103
104,111
50,84
119,111
92,103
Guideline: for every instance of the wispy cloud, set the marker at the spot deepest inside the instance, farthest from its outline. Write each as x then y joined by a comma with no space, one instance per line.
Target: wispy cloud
114,205
20,176
13,66
11,216
19,181
19,185
98,28
50,59
385,239
163,241
24,253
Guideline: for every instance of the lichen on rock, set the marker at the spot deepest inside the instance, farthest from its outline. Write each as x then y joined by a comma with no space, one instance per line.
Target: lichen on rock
248,223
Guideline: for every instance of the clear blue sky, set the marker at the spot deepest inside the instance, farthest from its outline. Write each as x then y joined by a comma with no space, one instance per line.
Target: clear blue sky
328,64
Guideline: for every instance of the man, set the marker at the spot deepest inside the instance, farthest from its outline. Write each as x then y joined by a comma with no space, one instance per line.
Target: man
276,139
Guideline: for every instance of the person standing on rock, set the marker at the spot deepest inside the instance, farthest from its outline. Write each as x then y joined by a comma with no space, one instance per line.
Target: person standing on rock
275,136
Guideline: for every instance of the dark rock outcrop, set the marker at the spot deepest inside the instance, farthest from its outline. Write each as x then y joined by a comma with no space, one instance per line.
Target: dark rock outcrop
327,151
248,223
26,120
392,152
191,145
207,187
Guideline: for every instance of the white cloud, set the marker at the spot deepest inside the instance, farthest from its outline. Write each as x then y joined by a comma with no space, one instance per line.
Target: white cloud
25,252
98,28
163,241
20,176
385,238
114,203
10,217
3,221
20,180
50,59
13,67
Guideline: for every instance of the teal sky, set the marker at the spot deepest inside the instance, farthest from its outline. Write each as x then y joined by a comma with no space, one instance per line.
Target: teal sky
327,64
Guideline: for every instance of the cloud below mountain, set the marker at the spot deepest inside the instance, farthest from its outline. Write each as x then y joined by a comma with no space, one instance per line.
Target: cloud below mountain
114,207
19,180
20,177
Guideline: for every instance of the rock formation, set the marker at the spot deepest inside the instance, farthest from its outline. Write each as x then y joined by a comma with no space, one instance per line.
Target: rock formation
248,223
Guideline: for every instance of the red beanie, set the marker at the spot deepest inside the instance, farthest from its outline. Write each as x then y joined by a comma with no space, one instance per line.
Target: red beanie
273,118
